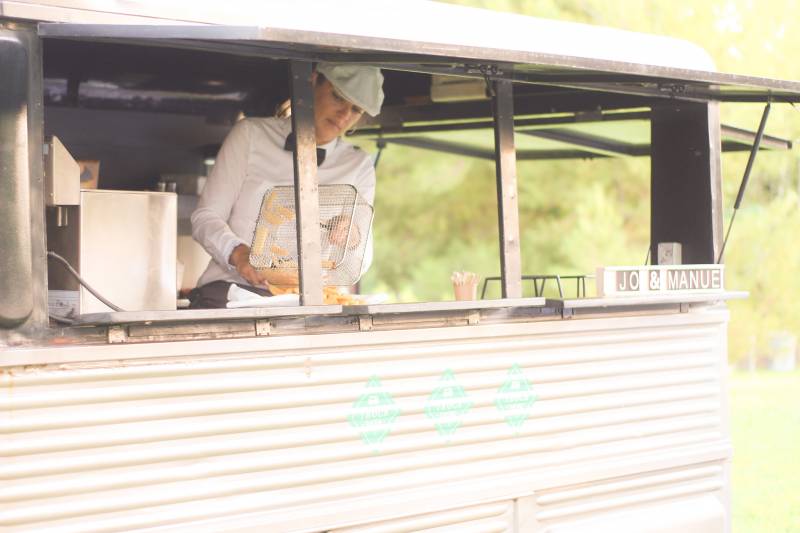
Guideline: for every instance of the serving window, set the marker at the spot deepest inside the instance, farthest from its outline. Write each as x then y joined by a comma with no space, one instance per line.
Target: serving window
144,124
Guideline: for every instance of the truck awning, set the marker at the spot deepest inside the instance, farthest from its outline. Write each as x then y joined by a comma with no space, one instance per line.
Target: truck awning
603,72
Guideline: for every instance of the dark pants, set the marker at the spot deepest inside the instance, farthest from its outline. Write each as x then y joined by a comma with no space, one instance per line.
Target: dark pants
214,295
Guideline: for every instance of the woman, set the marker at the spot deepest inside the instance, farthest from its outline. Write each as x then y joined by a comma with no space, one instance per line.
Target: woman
257,156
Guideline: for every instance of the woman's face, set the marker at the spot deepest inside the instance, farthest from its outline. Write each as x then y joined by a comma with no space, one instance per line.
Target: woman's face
333,114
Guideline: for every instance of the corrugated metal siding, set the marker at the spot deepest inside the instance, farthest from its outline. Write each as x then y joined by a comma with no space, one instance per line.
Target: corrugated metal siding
492,517
265,440
671,500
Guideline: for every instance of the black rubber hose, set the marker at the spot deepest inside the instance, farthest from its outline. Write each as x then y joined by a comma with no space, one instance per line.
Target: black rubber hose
82,281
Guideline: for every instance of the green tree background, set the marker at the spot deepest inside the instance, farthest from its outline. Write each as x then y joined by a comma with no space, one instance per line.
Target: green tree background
436,213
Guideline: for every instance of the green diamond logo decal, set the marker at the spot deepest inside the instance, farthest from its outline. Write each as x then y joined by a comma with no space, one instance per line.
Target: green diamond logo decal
373,413
447,404
515,397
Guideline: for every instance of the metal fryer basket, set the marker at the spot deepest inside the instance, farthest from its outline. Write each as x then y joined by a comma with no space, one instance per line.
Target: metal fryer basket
345,225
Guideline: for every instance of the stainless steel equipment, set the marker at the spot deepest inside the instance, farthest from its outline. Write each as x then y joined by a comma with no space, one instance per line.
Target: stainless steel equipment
123,243
62,174
345,223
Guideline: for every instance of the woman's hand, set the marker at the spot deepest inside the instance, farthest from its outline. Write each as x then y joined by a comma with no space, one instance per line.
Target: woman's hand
240,258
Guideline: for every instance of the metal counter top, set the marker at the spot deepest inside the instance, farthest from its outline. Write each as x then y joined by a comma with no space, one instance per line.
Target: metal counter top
644,301
205,315
257,313
456,305
202,315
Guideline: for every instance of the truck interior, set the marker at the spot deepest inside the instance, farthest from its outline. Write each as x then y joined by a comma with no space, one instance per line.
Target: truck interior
175,105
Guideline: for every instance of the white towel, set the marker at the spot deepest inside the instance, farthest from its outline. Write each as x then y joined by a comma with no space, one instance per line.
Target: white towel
239,297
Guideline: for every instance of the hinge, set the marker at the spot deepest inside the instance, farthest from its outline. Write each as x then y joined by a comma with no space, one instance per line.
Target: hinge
484,70
365,322
117,335
262,327
675,90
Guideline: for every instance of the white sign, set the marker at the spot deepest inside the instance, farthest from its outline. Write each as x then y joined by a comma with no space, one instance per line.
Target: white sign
640,280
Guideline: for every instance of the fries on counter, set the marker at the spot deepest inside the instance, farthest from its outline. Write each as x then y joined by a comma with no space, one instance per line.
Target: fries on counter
331,295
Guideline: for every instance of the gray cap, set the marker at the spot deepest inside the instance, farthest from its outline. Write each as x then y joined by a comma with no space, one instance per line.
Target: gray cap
361,85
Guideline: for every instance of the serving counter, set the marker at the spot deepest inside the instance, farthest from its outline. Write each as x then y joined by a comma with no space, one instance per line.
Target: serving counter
209,324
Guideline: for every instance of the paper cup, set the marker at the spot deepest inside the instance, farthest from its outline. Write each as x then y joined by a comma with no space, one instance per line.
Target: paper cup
465,291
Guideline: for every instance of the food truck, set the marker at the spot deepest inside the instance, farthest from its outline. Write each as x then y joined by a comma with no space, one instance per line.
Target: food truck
523,413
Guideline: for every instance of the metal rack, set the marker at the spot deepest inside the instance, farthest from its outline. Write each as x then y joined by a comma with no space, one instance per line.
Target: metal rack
539,281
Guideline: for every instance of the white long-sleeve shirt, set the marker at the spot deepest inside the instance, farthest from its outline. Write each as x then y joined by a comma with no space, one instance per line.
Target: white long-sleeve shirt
251,161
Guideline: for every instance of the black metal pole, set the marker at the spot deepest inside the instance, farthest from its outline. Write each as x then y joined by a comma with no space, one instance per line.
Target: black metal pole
507,201
746,177
752,157
306,184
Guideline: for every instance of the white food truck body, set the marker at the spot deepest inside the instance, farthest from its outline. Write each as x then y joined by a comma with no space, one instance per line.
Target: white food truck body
509,415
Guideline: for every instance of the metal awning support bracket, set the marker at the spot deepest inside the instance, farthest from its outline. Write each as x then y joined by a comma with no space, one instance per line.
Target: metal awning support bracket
381,145
306,184
489,71
746,177
507,199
